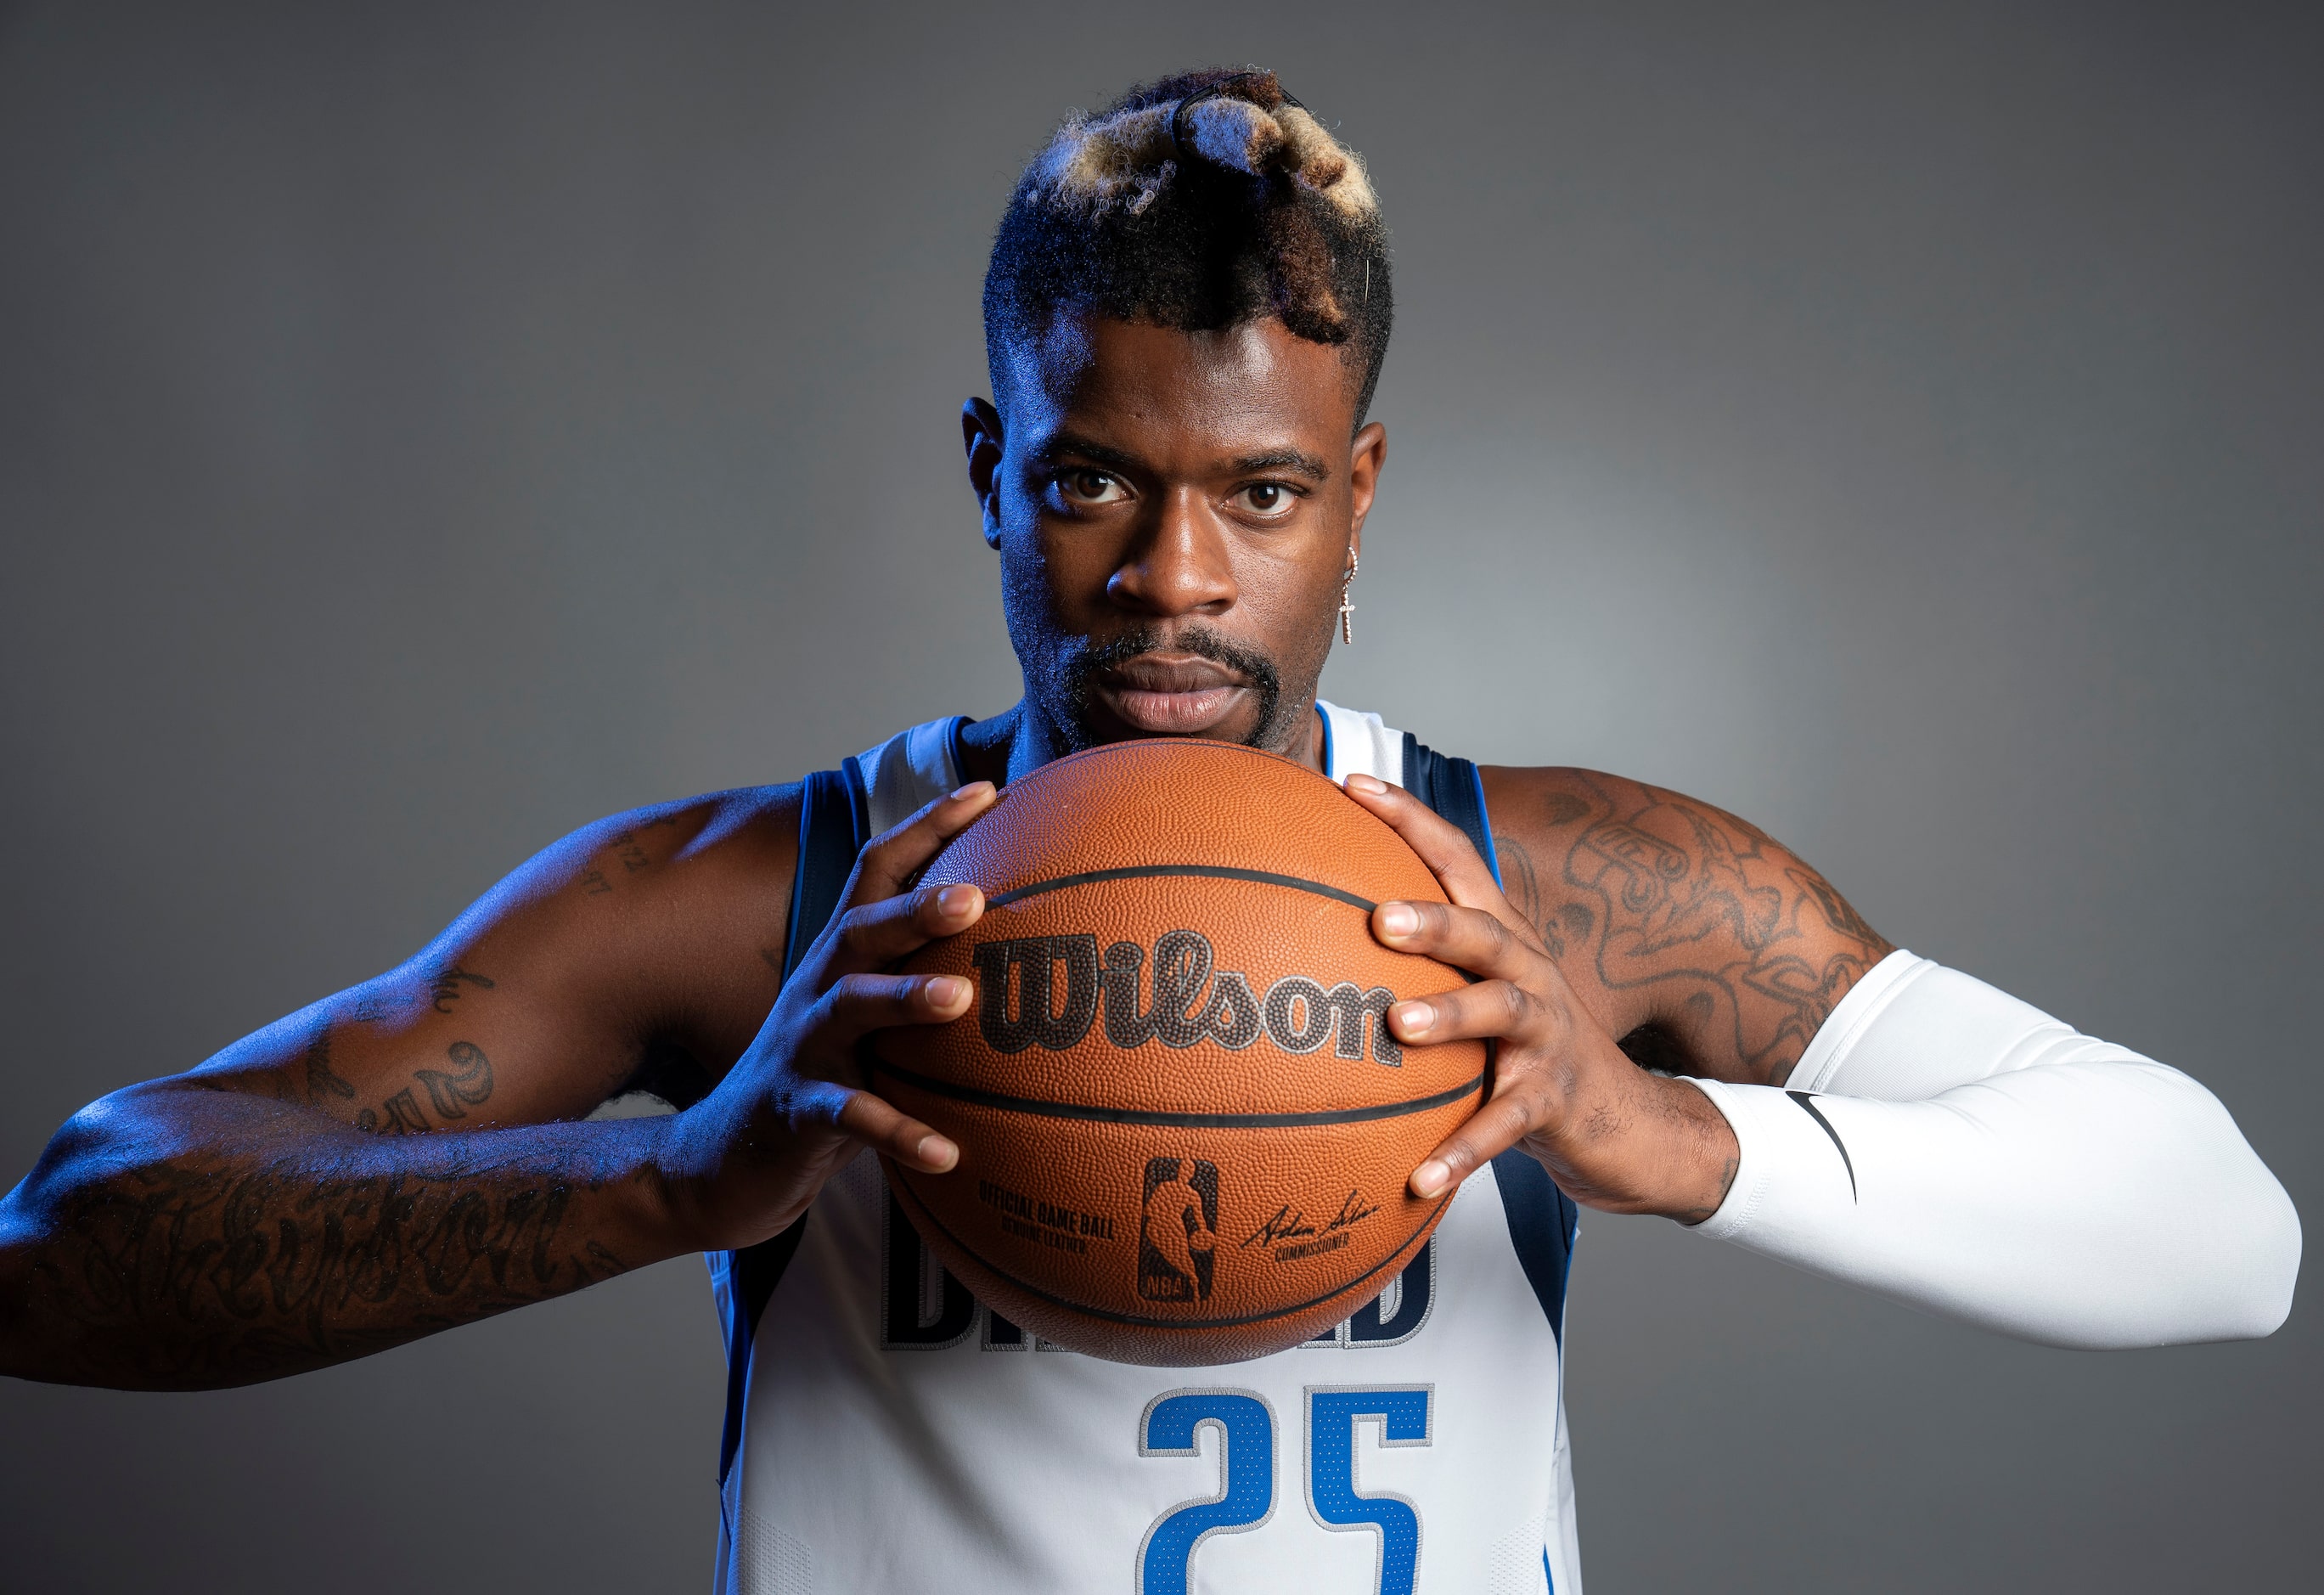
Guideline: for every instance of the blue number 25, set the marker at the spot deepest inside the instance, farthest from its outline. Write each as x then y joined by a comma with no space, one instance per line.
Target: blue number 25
1245,1425
1332,1414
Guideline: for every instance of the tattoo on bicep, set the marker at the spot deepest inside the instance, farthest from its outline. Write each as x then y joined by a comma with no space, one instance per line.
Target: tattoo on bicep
466,1085
321,1080
1518,882
451,1092
444,989
1744,950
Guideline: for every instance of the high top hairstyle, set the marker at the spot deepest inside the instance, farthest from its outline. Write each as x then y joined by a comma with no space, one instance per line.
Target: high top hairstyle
1196,202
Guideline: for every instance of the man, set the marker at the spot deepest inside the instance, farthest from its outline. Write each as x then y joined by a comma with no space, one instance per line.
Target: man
1186,311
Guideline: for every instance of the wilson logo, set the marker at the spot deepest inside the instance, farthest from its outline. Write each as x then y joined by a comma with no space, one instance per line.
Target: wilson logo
1050,991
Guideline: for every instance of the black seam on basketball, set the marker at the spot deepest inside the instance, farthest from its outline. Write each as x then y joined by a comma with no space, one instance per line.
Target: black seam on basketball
1132,1319
1207,872
1168,1121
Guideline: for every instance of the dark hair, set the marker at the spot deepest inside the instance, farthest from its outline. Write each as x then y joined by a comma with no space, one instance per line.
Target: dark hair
1197,202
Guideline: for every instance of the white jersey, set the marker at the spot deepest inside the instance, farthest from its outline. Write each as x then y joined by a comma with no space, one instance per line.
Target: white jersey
895,1435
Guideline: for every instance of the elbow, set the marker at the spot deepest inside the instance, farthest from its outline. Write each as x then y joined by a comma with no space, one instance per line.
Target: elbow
2232,1256
2233,1271
2260,1298
19,1358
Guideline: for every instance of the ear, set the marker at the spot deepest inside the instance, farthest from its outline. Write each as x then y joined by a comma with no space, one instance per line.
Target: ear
980,433
1366,456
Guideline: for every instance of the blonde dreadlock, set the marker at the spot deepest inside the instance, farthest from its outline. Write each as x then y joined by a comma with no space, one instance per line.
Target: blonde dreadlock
1196,202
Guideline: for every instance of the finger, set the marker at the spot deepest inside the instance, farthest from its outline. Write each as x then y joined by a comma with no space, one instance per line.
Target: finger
891,860
858,1004
1491,1011
1474,939
1442,845
897,1135
877,935
1518,1106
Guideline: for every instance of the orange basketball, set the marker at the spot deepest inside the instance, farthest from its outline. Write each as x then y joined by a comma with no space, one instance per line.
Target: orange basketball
1184,1130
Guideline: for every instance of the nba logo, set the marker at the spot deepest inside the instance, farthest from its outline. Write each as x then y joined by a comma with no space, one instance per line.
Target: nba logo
1179,1230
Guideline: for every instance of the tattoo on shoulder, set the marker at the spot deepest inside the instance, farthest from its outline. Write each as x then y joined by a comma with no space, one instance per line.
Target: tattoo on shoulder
626,849
1744,950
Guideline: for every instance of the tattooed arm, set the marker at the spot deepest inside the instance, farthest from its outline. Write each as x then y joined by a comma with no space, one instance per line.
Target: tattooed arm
402,1158
1696,938
176,1237
1630,926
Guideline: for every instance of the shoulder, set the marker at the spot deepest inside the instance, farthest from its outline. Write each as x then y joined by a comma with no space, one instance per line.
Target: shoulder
1671,915
659,858
659,923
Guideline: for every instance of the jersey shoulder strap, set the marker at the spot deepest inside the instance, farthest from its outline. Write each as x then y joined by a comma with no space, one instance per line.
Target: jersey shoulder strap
835,823
1543,1220
1453,789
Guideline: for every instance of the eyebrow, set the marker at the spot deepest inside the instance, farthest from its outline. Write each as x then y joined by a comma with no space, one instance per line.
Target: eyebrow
1274,459
1286,459
1066,443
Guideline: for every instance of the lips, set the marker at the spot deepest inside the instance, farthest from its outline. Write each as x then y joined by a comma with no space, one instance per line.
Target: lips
1161,695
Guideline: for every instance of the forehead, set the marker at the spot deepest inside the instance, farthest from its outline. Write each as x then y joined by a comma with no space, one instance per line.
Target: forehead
1091,374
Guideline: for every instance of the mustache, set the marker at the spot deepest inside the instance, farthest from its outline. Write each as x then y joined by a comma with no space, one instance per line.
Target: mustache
1256,670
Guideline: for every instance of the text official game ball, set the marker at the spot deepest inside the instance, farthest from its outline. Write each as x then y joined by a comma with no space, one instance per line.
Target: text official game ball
1184,1129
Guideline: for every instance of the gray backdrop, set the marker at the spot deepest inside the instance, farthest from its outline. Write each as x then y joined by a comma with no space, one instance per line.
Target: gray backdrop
424,429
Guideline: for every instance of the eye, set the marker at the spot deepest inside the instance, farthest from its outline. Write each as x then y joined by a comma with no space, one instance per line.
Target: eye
1086,485
1269,501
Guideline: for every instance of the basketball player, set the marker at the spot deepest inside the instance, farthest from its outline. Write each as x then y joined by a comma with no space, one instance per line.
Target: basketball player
1186,309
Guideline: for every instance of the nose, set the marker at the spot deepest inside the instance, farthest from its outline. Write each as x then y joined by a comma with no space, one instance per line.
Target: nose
1180,563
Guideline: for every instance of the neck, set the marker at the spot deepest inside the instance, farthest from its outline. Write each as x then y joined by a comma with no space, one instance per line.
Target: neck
1021,740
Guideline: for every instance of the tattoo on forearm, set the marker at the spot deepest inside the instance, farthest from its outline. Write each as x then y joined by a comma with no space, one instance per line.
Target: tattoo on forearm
1744,950
217,1273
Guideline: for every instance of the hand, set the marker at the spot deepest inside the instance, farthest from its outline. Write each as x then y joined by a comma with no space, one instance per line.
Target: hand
1611,1134
745,1161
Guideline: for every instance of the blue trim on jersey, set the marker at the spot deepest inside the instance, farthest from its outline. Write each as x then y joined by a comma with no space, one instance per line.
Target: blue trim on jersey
1452,788
1542,1218
1542,1221
1484,836
834,814
957,744
1325,722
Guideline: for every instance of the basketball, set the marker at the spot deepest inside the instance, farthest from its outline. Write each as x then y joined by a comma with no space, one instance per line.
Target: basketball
1184,1129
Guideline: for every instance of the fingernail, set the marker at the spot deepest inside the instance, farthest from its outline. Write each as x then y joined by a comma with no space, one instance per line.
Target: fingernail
1413,1019
1366,783
934,1151
1399,918
953,901
944,990
973,789
1429,1178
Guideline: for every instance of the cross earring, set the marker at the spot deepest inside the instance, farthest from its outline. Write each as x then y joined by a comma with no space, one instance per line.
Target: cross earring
1347,608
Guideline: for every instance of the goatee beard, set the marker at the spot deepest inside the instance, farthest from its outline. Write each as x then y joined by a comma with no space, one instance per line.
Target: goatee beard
1073,680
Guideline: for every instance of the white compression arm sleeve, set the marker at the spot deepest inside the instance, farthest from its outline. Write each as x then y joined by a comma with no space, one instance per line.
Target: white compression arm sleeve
1947,1145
